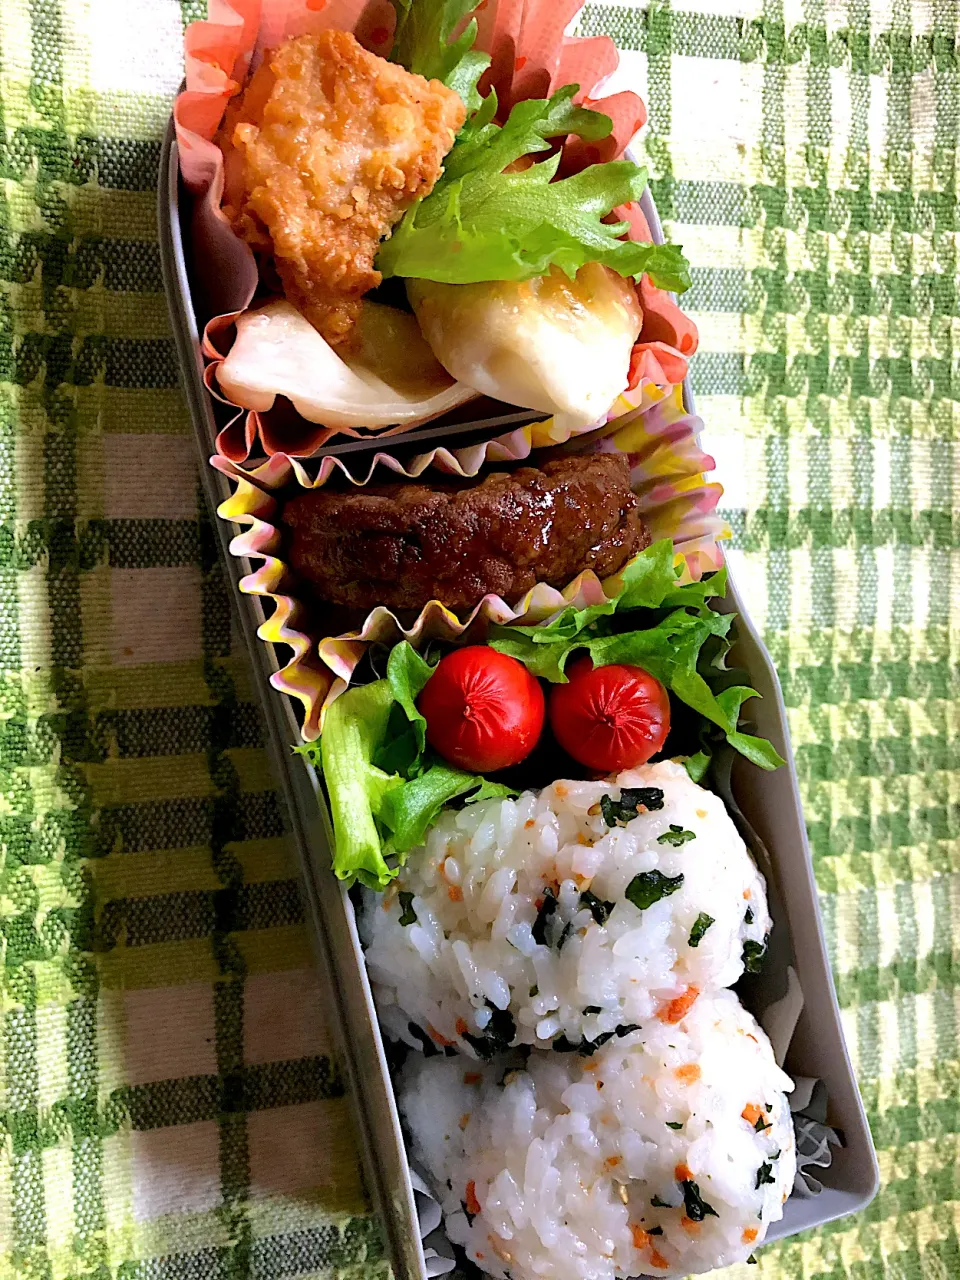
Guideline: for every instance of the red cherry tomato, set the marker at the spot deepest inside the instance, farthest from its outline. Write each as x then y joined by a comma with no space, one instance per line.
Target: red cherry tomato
484,710
609,718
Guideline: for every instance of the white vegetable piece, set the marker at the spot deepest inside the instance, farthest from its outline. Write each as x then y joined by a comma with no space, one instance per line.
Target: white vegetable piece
391,378
551,343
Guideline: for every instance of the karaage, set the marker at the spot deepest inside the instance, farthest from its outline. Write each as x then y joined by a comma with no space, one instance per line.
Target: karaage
323,152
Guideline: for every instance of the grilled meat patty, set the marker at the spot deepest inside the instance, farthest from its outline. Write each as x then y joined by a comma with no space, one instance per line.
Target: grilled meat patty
401,545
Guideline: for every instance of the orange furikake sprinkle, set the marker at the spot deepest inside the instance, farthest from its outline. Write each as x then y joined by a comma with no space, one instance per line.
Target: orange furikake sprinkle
688,1224
464,1119
746,895
682,1172
561,790
749,1235
455,893
641,1238
470,1199
435,1035
674,1010
751,1113
689,1073
658,1260
469,1077
612,1161
530,822
462,1029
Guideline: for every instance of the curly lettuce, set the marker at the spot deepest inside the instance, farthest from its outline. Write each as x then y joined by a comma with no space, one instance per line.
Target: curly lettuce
385,787
482,222
666,628
485,222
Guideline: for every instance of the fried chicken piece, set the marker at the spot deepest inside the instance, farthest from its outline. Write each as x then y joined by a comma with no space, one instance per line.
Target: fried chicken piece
323,152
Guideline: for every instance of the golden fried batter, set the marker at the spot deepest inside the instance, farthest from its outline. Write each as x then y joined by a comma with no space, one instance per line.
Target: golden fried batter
323,152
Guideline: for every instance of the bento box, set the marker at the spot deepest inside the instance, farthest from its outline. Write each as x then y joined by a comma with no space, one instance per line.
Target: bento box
793,998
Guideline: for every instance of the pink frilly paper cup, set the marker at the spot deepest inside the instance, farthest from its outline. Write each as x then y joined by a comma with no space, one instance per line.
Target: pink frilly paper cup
668,474
531,56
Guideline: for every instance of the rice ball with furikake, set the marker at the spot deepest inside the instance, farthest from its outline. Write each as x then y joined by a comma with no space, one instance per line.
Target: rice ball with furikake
565,917
666,1152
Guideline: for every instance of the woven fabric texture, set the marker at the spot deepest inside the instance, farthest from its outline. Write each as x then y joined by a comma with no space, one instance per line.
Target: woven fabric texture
170,1108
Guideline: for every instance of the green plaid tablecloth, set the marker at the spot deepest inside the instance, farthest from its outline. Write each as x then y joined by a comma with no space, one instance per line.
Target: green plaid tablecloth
170,1108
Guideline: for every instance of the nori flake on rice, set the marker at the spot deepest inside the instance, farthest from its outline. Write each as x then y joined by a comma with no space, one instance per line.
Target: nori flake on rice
649,887
599,909
544,914
694,1205
632,801
501,1030
753,953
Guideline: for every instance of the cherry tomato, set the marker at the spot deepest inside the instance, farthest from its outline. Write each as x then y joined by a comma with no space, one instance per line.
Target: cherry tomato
609,718
484,710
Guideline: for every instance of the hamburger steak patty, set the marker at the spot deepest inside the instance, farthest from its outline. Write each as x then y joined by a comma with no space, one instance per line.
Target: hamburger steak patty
401,545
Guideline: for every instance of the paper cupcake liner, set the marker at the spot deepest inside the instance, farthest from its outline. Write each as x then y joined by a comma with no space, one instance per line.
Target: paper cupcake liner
531,57
668,475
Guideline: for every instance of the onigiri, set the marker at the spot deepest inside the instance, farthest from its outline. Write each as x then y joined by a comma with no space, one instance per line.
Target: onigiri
565,917
666,1152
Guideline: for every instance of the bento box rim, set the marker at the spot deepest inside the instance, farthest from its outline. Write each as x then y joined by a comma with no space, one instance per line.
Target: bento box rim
329,910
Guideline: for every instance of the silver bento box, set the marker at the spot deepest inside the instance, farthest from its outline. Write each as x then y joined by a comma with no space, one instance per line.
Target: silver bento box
765,806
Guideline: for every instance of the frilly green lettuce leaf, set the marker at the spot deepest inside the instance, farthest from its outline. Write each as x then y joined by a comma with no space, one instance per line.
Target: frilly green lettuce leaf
655,623
514,226
480,223
423,43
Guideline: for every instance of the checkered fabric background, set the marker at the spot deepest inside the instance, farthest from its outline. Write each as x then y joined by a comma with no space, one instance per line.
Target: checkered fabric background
170,1109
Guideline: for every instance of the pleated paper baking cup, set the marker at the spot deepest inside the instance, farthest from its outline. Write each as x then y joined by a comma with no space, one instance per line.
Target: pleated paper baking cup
531,57
668,475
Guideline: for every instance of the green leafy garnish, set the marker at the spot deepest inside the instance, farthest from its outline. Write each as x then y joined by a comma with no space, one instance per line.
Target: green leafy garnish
407,913
762,1124
385,788
481,223
700,927
632,800
408,810
490,791
656,1202
423,43
764,1175
748,916
599,909
676,836
669,635
753,953
697,765
649,887
355,727
407,673
695,1207
671,1124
